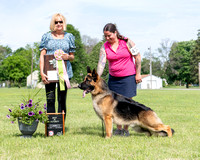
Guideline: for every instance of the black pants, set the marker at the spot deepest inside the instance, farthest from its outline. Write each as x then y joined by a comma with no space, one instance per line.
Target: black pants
50,95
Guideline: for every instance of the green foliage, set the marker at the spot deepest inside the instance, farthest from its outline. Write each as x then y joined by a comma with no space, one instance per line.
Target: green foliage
15,68
18,64
179,64
195,60
4,52
156,67
94,58
145,66
28,111
94,55
81,58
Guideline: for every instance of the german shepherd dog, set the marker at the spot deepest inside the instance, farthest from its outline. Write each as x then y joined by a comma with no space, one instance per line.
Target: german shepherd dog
115,108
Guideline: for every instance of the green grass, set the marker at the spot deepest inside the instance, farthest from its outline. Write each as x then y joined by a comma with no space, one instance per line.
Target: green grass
83,139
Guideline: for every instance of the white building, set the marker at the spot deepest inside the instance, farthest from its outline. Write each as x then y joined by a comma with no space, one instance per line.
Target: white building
157,82
35,79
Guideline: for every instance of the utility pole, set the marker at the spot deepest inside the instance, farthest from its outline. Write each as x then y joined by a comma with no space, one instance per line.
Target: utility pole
32,69
150,64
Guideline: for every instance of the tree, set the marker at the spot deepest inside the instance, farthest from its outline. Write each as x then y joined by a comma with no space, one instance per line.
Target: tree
179,64
164,50
94,58
17,69
89,43
81,58
4,52
156,67
196,60
16,72
145,66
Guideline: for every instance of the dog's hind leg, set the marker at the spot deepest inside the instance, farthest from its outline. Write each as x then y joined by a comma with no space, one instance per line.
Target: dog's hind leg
108,124
151,121
139,129
161,128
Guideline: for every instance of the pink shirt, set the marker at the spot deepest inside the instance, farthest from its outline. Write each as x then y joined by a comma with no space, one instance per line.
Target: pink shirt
120,62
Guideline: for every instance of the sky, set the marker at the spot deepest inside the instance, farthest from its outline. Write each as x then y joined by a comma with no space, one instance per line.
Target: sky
146,22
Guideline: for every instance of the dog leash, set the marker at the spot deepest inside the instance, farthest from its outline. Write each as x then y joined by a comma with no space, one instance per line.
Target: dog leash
103,129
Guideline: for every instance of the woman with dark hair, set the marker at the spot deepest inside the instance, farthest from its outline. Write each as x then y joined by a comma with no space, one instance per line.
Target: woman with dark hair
124,74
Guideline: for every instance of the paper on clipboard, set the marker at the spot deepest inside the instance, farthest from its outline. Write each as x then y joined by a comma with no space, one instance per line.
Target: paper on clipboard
52,75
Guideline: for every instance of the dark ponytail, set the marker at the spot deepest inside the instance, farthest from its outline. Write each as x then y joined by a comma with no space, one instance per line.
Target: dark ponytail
112,28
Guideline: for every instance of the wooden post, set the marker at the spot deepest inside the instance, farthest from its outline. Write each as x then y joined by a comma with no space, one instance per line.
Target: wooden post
46,129
63,115
32,69
150,64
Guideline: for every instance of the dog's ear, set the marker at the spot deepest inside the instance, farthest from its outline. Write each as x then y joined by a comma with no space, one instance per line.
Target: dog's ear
88,70
94,75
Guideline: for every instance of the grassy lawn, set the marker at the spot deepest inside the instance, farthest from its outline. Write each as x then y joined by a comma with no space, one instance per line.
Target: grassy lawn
83,139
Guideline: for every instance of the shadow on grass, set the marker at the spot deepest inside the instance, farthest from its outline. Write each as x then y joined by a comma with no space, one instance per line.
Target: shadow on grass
89,131
99,131
35,135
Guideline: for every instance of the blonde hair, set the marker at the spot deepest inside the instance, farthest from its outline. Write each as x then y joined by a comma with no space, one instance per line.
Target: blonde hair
53,19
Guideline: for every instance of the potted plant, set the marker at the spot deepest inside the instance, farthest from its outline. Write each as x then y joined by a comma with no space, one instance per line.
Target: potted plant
28,114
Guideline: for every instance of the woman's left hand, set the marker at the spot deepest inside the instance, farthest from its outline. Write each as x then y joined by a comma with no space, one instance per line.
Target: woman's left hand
138,78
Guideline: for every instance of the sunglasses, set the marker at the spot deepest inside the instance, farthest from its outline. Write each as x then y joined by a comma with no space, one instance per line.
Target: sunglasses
56,22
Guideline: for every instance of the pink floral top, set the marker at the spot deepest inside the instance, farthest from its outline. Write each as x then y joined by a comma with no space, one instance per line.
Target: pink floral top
120,62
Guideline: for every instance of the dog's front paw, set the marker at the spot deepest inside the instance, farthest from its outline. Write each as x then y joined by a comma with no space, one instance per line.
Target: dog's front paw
107,137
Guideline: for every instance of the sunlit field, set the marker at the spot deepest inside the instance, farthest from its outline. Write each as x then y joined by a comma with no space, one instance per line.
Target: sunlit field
83,139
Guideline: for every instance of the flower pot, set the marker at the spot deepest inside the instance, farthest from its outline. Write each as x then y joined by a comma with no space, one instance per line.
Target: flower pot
27,130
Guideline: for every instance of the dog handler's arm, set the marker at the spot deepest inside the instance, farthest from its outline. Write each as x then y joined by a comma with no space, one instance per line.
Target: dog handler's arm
138,76
136,54
43,76
102,61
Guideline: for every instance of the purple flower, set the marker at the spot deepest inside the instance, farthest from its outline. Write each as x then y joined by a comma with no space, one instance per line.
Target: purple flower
31,113
30,105
40,112
8,116
10,110
26,105
22,107
45,108
12,121
22,104
30,101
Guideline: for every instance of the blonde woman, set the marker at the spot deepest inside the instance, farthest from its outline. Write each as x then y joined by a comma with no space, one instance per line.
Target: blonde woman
58,38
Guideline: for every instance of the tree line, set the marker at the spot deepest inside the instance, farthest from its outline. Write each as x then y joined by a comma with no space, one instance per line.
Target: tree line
177,62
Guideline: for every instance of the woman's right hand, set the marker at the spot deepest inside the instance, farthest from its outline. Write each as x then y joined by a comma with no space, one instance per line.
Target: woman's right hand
44,78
